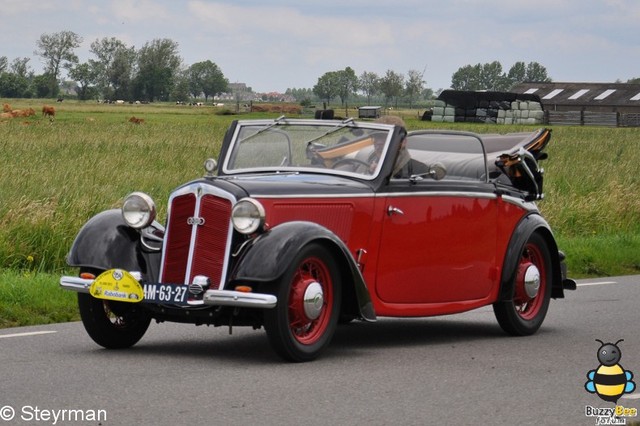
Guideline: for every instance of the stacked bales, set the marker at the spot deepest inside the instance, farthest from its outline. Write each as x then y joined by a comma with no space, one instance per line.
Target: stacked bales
453,106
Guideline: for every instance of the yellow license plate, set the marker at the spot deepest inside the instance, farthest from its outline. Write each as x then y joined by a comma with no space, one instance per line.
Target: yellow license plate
118,285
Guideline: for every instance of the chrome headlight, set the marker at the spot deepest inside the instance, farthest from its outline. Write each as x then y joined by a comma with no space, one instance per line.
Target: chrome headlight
247,216
138,210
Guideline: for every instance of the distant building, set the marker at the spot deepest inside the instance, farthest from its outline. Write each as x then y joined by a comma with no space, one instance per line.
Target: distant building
612,104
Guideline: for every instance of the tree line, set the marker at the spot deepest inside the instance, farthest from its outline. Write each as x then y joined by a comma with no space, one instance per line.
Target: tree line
152,73
155,73
393,87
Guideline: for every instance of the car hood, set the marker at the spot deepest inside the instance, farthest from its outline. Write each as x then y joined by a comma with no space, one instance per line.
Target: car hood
295,184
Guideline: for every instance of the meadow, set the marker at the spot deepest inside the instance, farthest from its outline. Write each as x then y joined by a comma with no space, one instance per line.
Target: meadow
57,174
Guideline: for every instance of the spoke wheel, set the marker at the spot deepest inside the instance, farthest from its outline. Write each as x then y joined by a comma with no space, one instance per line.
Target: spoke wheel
531,291
113,325
304,320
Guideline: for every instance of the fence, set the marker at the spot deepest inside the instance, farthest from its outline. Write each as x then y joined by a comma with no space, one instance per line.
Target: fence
591,118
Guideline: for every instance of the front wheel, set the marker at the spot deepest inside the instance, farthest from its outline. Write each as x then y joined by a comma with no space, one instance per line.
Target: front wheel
113,325
531,291
304,320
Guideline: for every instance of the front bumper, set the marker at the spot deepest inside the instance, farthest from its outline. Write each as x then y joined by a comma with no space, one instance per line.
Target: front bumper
210,297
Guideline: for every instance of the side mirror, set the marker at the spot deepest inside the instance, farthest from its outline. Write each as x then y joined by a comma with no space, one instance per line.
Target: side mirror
437,171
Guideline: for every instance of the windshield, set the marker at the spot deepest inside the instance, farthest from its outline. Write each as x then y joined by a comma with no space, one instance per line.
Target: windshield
315,146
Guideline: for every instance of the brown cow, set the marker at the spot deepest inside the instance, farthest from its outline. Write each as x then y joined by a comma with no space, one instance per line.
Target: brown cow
136,120
23,112
48,111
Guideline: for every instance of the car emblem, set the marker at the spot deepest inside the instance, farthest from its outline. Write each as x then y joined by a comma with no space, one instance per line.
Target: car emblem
195,220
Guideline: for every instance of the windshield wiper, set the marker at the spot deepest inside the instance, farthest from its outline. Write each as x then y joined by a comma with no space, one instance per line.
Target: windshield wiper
264,129
340,126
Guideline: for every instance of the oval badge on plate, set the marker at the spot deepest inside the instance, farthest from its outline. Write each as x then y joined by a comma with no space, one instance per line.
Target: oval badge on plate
117,284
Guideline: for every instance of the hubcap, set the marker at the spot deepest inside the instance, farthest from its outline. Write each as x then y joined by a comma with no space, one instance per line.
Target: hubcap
532,281
313,300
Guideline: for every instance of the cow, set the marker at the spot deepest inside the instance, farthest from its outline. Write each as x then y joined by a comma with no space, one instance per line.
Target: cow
48,111
136,120
23,112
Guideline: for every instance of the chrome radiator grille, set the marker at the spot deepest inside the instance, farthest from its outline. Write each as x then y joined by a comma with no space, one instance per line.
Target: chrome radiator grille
198,236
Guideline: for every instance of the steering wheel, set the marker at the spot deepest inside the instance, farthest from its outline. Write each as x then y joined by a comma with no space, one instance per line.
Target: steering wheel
354,162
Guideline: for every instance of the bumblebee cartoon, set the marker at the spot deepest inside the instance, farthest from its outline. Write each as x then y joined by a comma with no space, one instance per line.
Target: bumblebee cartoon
609,381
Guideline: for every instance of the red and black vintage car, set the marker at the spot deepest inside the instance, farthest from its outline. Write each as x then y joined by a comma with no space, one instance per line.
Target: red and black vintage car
303,224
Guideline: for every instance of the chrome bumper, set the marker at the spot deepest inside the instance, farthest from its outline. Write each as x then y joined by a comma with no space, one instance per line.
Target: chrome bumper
210,298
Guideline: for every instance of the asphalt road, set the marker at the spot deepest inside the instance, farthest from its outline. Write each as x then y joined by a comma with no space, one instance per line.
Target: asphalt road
458,369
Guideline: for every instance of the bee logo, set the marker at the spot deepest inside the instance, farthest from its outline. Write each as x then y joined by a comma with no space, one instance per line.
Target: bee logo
609,381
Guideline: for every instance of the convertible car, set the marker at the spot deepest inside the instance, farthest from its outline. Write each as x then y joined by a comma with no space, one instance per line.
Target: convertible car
305,224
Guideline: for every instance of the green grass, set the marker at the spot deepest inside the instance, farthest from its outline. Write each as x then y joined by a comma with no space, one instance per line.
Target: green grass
28,298
56,175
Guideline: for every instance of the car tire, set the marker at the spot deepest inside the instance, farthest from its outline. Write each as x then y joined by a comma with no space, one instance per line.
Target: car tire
297,330
113,325
524,313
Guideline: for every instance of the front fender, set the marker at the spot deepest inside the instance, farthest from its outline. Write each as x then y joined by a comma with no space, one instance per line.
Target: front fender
269,255
527,226
106,242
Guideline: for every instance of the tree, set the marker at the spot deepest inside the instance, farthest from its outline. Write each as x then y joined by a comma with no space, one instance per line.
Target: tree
414,84
466,78
42,85
3,63
84,77
57,50
13,86
206,77
180,90
487,76
158,63
327,86
20,67
536,73
113,68
491,77
391,86
347,84
369,84
121,73
517,73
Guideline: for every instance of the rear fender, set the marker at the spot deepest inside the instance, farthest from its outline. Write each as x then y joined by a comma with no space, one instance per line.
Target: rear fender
527,226
106,242
270,254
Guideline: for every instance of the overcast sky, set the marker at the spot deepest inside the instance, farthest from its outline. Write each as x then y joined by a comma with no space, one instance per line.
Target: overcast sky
272,45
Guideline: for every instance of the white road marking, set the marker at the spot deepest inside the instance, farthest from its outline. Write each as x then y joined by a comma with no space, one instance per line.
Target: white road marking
32,333
598,283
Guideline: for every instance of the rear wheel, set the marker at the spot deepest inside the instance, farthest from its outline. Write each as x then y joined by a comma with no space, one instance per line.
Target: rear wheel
304,320
113,325
524,313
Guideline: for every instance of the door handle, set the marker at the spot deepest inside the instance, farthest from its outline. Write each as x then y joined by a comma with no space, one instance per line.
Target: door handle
394,210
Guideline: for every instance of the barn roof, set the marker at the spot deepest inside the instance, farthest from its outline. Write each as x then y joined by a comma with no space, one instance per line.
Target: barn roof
583,94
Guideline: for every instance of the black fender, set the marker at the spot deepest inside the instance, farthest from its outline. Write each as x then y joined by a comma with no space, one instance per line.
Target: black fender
523,231
267,258
106,242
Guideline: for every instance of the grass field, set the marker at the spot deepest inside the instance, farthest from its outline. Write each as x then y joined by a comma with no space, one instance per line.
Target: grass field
56,175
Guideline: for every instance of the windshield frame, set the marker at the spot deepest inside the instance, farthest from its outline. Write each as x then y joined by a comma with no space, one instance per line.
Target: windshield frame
325,129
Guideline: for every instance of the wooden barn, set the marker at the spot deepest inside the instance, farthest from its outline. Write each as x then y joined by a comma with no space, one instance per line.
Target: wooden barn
604,104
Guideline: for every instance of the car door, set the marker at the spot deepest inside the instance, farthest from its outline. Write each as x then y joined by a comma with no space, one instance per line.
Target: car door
438,239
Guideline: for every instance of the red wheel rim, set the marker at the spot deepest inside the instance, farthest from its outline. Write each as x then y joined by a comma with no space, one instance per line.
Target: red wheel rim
305,330
528,307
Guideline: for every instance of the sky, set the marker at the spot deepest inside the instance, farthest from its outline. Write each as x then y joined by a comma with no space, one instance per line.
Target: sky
273,45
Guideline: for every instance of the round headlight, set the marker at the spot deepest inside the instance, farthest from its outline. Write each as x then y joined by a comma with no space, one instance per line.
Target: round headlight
138,210
247,216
